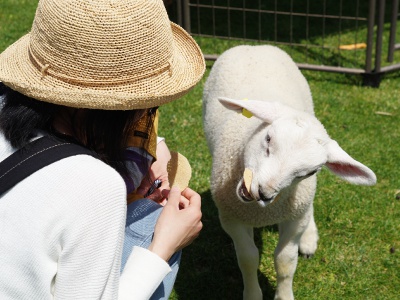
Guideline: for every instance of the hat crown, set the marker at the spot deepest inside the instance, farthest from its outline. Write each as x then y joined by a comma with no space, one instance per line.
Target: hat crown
95,42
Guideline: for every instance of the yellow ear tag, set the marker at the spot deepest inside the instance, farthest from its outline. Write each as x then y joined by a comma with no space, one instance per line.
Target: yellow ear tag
245,112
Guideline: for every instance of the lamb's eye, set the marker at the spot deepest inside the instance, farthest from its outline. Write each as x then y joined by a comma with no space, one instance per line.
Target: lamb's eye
268,139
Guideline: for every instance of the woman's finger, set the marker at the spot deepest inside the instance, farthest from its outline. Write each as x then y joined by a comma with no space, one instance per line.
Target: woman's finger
193,197
174,196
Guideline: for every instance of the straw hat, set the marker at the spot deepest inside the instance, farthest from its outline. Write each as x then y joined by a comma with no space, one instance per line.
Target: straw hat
103,54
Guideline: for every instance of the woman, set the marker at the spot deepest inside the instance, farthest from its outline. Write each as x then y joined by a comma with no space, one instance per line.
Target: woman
89,71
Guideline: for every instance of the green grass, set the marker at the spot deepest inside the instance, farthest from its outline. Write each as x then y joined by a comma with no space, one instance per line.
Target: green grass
358,226
16,18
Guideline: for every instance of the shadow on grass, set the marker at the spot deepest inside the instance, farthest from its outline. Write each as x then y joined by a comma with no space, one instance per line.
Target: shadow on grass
209,268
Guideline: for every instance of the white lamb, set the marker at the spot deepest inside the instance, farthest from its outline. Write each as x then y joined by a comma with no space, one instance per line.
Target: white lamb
283,145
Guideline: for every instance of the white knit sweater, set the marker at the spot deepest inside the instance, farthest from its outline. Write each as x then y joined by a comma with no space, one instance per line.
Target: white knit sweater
61,236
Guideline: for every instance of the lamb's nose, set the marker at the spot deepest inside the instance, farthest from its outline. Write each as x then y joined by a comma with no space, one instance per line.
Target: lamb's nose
263,197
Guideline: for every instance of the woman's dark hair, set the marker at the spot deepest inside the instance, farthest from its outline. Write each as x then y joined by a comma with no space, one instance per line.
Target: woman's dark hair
21,116
103,131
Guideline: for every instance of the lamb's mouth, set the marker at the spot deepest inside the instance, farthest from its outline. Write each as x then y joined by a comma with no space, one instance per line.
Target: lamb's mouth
244,193
246,196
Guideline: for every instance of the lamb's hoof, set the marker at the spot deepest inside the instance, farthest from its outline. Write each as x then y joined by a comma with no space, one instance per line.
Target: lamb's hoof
306,255
308,245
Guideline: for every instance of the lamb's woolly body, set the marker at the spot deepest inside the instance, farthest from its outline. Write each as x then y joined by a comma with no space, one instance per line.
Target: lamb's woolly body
283,146
248,72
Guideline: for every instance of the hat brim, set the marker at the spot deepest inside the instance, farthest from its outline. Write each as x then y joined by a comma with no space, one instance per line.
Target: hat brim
18,72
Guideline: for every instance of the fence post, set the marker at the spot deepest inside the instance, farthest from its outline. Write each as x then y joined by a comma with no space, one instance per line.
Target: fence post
379,36
179,16
393,27
372,77
186,15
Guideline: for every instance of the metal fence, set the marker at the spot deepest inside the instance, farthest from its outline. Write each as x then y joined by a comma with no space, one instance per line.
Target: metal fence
353,37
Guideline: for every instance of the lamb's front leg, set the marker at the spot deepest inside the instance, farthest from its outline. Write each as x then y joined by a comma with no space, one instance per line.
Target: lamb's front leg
286,254
247,255
309,239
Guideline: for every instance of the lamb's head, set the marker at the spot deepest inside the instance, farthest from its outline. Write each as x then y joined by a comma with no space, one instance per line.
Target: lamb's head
288,147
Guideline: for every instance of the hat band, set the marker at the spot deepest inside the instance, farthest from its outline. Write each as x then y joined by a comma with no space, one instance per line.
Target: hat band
46,69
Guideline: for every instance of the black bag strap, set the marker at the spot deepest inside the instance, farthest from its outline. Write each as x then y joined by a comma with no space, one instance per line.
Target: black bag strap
34,156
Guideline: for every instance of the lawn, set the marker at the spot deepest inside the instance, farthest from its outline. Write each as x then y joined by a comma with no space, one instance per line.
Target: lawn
359,248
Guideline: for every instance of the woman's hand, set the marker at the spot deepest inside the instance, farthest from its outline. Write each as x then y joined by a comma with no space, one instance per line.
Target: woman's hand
158,170
179,223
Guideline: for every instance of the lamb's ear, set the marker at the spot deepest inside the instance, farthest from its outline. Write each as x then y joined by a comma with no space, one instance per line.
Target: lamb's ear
347,168
264,110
